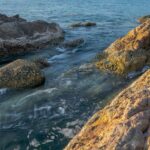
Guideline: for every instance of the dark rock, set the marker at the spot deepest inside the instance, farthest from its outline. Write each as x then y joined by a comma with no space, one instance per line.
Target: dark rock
83,24
41,63
17,35
20,74
73,43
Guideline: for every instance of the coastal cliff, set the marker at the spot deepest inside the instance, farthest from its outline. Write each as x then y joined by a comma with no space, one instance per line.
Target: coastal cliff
124,124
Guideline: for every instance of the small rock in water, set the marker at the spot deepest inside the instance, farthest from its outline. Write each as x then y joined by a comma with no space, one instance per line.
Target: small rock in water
41,63
73,43
83,24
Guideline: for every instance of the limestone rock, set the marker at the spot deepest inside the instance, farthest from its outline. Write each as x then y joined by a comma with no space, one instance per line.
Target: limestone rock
129,53
124,124
20,74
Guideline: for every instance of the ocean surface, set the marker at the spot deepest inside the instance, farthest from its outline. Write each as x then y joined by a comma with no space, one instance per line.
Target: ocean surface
47,117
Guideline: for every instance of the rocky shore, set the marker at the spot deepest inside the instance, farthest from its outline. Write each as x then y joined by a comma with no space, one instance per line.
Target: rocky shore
18,35
124,124
129,53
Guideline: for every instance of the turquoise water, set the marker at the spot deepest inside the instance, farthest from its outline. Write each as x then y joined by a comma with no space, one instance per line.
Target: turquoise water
47,117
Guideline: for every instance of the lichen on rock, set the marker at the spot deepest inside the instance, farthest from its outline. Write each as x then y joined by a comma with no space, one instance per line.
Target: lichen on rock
20,74
129,53
124,124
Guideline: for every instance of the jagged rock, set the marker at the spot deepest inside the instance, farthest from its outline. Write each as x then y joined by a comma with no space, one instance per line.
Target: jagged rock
20,74
4,18
144,18
73,43
124,124
129,53
18,35
83,24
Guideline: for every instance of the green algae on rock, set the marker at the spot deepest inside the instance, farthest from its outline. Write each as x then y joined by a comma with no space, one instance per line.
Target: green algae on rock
20,74
124,124
129,53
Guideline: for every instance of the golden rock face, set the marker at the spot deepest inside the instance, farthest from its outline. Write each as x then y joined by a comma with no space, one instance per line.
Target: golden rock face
124,124
128,53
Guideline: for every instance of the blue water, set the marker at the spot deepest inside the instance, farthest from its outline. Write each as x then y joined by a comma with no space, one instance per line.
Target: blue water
47,117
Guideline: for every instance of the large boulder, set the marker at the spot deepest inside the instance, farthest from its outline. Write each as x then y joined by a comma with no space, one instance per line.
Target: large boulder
129,53
124,124
20,74
18,35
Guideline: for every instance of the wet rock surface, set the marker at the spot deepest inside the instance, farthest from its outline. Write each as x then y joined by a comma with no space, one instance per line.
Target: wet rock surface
18,35
124,124
20,74
73,43
83,24
129,53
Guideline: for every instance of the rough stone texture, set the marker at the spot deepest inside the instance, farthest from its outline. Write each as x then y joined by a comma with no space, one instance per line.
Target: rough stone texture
73,43
124,124
144,18
17,35
83,24
128,53
20,74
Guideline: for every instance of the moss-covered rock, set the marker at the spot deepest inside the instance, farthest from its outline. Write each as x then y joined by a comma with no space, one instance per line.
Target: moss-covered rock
20,74
128,53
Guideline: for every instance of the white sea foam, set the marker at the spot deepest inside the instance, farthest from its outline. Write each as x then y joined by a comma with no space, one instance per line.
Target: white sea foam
58,57
3,91
37,93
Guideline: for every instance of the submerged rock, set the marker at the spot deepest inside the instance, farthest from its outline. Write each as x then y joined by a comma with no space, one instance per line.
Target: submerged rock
124,124
129,53
41,63
144,18
20,74
73,43
18,35
83,24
